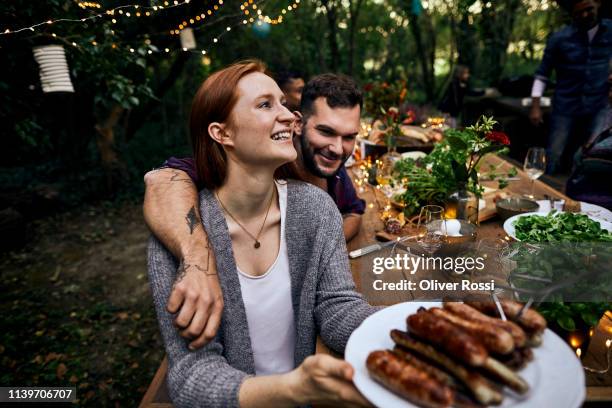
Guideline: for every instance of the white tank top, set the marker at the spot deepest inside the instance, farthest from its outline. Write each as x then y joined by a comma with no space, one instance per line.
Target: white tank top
269,309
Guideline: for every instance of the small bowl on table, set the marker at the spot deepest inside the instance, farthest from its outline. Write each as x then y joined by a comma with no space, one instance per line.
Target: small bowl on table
460,237
512,206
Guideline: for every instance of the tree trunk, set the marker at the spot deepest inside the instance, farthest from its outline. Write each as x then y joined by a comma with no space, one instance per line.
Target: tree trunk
113,166
466,41
497,24
354,9
425,52
141,114
331,9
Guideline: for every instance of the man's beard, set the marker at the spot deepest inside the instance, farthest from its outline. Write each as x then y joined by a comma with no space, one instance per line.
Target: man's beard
308,158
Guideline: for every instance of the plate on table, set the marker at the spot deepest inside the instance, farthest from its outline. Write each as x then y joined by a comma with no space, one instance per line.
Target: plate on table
509,227
555,375
592,210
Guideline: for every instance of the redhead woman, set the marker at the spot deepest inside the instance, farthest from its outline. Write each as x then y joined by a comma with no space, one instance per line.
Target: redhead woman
280,254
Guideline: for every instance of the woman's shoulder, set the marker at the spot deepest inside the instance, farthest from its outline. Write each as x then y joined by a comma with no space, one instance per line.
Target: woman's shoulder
308,193
310,202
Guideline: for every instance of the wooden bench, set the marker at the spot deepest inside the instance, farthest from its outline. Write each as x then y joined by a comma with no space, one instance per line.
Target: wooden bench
157,393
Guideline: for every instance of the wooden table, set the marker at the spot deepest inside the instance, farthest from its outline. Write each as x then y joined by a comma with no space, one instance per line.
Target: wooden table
599,387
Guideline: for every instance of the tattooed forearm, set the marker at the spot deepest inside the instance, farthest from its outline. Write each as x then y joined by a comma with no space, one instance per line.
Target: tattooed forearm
181,272
179,176
206,269
192,219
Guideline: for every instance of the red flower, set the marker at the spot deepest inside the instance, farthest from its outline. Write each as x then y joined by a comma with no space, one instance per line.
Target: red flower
498,137
410,117
392,113
368,87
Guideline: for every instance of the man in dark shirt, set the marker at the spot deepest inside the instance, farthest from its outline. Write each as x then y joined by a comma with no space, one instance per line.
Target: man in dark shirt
324,140
580,55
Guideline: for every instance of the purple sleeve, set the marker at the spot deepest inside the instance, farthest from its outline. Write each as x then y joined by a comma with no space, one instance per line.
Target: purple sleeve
350,202
186,164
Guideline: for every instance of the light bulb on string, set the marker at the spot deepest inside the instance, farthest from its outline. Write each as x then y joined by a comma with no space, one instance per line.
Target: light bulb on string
111,12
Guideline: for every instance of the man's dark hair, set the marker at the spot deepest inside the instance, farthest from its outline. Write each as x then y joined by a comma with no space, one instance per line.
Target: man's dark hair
340,91
283,77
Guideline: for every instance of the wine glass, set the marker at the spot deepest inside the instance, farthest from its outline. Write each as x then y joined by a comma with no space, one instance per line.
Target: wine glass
431,228
535,165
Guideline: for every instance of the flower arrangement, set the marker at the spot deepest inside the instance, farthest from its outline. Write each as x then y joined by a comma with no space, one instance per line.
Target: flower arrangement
391,121
383,94
452,165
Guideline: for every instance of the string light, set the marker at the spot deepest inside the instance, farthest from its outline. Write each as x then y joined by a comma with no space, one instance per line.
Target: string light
88,4
244,7
197,18
152,50
101,14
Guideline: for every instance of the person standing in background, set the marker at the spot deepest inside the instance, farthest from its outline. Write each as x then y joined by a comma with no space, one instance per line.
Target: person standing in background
292,84
452,101
579,54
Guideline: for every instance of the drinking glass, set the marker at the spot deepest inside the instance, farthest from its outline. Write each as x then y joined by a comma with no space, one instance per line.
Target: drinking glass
431,228
535,165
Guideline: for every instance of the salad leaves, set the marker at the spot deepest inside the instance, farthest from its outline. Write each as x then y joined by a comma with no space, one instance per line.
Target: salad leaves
556,227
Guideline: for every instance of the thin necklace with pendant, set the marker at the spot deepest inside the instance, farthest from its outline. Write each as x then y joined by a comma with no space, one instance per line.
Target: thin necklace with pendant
257,244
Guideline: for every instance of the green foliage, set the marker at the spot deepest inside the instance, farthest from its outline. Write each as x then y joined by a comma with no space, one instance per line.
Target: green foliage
559,227
373,38
451,165
570,315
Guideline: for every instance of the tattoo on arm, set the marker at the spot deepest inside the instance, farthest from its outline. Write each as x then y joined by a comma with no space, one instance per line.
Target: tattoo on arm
205,269
192,219
181,272
178,176
183,267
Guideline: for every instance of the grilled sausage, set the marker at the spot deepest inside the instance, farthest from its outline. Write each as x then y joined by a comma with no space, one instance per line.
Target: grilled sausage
506,375
480,388
469,313
462,400
452,339
408,381
495,340
531,321
432,371
518,358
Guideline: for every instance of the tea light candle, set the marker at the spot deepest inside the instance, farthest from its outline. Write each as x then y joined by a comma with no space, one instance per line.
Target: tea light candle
452,228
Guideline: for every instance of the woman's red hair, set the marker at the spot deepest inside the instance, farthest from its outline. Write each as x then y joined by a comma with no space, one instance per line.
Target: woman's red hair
214,102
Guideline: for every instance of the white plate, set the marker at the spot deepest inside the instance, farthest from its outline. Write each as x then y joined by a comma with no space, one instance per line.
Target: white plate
555,375
509,227
592,210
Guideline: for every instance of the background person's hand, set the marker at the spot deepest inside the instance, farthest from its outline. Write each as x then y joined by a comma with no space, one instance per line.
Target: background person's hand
198,299
535,115
323,379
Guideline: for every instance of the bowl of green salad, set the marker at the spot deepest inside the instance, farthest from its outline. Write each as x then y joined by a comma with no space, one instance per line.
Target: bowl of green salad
557,227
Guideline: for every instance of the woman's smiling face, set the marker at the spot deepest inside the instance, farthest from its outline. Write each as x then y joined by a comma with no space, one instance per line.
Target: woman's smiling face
260,125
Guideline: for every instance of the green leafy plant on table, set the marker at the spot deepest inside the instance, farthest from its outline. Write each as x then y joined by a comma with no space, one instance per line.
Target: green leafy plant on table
573,316
567,246
453,164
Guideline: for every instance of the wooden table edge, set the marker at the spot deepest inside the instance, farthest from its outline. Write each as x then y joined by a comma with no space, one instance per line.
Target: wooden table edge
598,393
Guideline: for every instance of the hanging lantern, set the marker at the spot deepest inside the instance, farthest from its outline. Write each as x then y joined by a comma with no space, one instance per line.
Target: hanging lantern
54,74
416,7
188,41
261,29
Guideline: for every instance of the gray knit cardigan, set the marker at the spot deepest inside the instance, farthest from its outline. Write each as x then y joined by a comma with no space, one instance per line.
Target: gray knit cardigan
323,292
